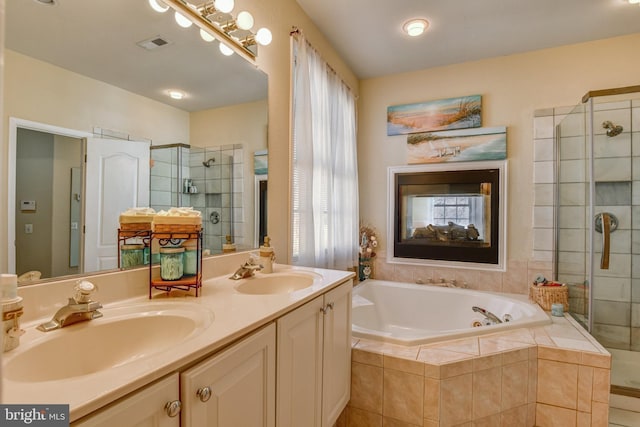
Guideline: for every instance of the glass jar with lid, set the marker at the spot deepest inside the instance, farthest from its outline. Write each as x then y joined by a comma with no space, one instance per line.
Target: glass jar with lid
191,257
131,255
171,263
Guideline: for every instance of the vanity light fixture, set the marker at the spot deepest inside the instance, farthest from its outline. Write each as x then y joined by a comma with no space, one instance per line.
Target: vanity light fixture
215,20
415,27
634,2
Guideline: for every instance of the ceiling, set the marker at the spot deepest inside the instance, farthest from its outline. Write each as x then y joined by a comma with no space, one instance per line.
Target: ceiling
99,39
368,33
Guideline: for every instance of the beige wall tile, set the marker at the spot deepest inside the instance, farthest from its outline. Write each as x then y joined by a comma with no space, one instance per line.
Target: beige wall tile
515,279
438,356
359,418
366,357
515,417
515,378
601,384
404,365
342,418
431,399
553,416
596,360
531,414
557,383
515,356
403,396
487,395
487,362
391,422
465,345
583,419
366,387
430,423
432,371
559,355
456,400
490,421
599,414
456,368
532,385
585,384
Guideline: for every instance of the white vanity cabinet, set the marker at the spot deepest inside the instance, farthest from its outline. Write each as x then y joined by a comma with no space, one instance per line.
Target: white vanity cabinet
314,360
156,405
235,387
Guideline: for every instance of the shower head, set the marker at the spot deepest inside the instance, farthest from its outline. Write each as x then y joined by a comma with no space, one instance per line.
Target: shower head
208,162
612,130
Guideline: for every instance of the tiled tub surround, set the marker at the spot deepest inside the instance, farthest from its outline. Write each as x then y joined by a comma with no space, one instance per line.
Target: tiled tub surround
556,375
616,306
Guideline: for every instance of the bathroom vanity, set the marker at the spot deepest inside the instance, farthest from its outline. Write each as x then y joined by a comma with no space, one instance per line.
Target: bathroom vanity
274,349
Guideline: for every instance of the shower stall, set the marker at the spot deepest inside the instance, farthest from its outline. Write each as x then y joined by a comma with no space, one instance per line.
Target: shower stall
208,179
597,224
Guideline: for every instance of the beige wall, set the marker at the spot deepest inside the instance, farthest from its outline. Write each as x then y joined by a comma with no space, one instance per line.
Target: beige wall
512,87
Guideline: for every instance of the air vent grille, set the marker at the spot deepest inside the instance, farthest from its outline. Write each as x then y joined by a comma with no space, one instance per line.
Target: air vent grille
153,43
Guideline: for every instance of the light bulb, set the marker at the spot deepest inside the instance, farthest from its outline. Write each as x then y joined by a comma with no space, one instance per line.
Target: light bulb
158,6
206,36
224,6
634,1
415,27
182,20
263,36
244,20
225,50
176,94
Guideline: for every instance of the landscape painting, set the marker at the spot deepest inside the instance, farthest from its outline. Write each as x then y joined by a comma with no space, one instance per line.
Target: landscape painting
457,145
444,114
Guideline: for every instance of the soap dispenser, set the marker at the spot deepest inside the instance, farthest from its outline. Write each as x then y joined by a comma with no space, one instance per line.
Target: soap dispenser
267,256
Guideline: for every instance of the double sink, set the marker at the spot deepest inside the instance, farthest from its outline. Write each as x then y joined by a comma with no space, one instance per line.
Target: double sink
129,332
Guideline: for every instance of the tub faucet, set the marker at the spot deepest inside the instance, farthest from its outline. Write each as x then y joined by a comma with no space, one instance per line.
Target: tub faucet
79,308
486,313
248,269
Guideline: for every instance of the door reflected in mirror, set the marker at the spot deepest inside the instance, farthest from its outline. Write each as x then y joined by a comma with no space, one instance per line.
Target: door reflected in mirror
94,85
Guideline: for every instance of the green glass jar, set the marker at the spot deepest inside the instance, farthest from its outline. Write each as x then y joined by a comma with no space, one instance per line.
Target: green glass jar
131,255
190,258
171,263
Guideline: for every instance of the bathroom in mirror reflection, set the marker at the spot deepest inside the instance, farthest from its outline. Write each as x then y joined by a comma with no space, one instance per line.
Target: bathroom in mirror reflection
98,80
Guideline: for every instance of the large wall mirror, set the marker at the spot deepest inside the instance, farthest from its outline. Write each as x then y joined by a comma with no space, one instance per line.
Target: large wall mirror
83,75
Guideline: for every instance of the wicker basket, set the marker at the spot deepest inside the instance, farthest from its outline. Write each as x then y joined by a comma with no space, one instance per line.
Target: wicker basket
135,226
176,228
545,296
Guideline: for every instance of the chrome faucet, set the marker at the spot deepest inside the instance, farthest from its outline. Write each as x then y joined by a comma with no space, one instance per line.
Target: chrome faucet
486,313
248,269
79,308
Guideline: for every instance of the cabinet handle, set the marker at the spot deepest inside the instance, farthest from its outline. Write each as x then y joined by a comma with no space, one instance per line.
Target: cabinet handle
173,408
204,393
326,308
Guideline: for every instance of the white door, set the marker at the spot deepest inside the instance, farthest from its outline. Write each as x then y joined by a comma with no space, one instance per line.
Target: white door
117,178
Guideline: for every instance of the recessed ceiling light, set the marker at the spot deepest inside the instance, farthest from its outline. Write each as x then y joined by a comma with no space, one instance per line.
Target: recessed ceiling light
415,27
176,94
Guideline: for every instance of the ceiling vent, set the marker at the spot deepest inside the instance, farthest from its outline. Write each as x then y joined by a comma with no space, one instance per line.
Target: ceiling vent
153,43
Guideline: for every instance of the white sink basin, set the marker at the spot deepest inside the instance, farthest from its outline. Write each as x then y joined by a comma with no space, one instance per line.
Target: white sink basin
123,335
276,283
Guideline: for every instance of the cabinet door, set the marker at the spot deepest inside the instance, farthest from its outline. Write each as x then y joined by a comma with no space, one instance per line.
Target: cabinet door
234,388
337,353
299,384
145,408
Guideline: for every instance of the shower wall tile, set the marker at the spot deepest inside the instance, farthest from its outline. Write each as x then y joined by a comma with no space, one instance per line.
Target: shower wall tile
635,142
604,146
160,198
572,148
571,240
571,263
635,339
613,289
543,150
635,315
573,125
161,169
620,242
160,183
620,116
543,172
612,105
543,195
543,127
614,169
612,336
543,217
573,194
635,193
635,119
619,266
572,217
612,312
542,238
572,171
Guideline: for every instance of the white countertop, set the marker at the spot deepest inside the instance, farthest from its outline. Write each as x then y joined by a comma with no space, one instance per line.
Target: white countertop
234,315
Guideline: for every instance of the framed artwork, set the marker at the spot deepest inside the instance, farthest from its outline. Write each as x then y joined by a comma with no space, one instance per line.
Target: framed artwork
260,162
463,145
444,114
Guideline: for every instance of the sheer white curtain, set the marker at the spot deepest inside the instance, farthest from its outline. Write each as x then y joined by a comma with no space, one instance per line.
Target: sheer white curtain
325,179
